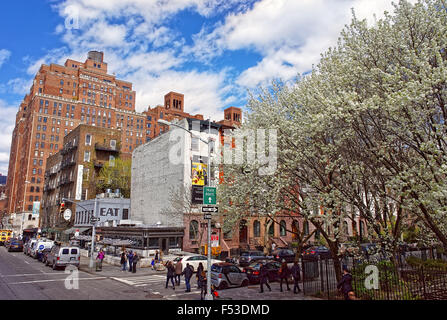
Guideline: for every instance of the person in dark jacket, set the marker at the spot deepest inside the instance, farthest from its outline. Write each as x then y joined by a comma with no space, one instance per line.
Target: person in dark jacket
264,277
345,284
156,256
199,275
296,274
284,273
170,275
135,260
129,258
123,261
187,272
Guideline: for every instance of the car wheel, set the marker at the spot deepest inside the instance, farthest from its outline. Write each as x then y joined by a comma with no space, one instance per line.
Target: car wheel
244,283
223,285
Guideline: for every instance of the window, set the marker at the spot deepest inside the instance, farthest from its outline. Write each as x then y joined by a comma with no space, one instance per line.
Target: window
272,230
193,229
125,214
282,228
195,144
87,156
88,140
256,228
306,228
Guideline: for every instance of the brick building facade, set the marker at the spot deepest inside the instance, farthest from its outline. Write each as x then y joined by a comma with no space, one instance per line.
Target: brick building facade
71,173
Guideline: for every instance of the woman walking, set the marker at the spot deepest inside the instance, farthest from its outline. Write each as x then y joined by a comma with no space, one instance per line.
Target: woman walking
199,275
284,274
170,275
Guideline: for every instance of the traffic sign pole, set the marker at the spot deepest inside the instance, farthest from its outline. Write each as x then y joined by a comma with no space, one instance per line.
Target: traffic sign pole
92,249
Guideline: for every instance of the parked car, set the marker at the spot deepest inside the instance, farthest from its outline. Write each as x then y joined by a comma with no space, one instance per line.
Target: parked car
62,256
254,270
14,245
317,251
249,256
39,246
284,254
194,261
225,275
29,246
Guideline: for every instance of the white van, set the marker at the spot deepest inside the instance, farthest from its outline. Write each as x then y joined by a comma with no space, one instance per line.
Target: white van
29,246
62,256
40,246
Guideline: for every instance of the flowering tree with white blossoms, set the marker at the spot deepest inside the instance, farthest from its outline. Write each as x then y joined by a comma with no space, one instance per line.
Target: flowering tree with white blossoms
365,130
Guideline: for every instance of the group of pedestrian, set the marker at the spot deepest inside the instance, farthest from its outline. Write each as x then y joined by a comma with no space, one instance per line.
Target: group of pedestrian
284,273
175,272
130,258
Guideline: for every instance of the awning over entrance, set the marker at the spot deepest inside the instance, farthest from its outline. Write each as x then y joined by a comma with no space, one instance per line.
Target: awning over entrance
73,230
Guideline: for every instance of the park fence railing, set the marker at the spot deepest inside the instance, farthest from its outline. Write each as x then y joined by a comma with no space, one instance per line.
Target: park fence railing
378,277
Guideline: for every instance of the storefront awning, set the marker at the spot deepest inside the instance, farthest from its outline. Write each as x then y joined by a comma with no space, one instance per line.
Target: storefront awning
73,230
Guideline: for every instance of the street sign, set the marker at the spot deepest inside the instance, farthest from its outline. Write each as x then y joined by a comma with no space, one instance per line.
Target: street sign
94,219
209,195
67,214
214,240
207,216
210,209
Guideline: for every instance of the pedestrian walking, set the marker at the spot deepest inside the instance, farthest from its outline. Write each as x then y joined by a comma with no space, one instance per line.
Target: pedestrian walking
187,272
170,274
135,260
123,261
156,256
130,258
345,285
204,285
264,277
99,259
284,273
199,275
296,274
178,272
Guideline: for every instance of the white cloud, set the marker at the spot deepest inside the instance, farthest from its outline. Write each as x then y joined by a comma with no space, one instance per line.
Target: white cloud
290,35
7,122
4,56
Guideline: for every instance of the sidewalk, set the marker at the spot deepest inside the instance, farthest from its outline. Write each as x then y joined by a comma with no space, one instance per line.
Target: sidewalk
114,271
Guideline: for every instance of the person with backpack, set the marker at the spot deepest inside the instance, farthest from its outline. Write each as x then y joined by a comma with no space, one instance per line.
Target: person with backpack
187,272
170,274
99,259
135,260
296,274
284,273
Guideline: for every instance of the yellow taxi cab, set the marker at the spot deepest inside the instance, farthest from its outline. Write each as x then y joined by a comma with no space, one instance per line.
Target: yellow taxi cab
5,235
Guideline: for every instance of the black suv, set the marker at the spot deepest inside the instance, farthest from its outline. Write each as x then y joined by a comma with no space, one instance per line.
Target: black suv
249,256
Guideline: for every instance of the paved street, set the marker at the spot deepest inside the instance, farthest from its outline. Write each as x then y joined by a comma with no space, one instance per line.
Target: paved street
22,277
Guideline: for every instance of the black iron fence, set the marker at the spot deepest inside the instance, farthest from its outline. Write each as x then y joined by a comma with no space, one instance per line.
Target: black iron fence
412,275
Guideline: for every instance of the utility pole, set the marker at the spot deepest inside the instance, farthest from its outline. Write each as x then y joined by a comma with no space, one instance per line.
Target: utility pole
209,296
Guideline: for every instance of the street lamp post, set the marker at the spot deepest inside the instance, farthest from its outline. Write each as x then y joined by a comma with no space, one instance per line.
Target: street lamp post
208,296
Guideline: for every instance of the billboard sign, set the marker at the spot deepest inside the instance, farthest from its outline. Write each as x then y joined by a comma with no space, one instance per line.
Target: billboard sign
36,209
199,172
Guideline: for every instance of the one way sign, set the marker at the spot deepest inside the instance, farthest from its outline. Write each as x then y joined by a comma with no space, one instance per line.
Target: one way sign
210,209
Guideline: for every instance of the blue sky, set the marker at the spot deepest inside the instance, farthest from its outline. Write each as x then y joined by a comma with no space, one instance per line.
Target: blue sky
213,51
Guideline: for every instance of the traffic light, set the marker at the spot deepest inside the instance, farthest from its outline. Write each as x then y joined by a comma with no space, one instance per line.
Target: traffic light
62,208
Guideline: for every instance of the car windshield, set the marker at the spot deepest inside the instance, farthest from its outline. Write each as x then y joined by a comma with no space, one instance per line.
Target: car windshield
216,268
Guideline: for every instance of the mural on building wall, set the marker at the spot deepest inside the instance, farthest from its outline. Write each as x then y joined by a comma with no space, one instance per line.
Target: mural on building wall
198,173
